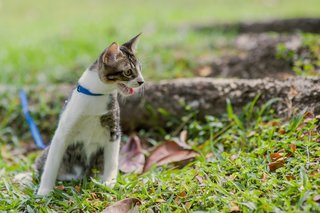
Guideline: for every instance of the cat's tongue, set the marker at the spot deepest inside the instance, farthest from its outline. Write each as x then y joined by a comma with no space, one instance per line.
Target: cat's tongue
131,91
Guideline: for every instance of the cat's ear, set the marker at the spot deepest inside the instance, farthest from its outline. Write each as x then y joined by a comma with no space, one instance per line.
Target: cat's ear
111,53
132,43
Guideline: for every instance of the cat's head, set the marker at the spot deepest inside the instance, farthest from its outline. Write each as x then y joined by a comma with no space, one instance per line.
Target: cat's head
119,65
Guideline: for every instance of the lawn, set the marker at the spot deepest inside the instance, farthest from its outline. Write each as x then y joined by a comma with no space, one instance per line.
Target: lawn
54,41
46,43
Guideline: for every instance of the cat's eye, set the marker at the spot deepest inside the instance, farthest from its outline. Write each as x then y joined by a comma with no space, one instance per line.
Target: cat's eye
127,72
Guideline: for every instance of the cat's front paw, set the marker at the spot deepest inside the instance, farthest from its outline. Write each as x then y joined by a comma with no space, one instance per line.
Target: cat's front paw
110,183
43,191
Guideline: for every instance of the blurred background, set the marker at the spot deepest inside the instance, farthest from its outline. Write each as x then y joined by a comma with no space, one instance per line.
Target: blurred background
54,41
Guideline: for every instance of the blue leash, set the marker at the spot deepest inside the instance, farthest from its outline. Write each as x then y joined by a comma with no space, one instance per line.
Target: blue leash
33,127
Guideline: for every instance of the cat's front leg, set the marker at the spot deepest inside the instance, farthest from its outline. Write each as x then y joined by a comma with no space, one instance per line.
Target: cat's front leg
111,159
51,167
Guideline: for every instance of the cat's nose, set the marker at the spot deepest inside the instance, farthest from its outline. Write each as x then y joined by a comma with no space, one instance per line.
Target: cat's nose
140,82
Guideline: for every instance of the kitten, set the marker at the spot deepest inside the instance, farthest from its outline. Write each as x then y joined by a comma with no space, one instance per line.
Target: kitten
88,132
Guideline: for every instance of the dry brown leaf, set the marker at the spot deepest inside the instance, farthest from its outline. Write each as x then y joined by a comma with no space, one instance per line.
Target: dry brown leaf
234,157
316,198
293,147
282,131
279,158
277,155
188,205
273,166
293,92
131,156
168,152
93,196
182,140
308,115
77,188
61,187
124,206
309,133
290,177
183,135
160,201
178,156
209,155
273,123
234,208
204,71
182,194
177,200
200,179
264,177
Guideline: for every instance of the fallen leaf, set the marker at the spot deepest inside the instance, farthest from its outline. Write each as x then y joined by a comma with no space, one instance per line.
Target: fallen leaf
264,177
178,156
290,177
188,205
309,133
273,123
273,166
275,156
160,201
77,188
182,194
168,152
131,157
234,157
282,131
293,92
61,187
204,71
94,196
308,115
177,200
293,147
209,155
183,135
234,208
200,179
23,179
183,140
128,205
316,198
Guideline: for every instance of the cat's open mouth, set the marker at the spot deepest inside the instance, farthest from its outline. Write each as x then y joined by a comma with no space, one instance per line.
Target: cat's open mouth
125,90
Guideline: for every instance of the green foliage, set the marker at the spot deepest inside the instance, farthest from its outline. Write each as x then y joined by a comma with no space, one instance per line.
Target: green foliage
231,171
306,60
54,41
44,42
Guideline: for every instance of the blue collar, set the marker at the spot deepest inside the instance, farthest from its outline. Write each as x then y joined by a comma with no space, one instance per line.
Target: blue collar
85,91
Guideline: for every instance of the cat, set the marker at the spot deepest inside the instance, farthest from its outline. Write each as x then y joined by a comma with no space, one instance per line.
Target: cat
87,138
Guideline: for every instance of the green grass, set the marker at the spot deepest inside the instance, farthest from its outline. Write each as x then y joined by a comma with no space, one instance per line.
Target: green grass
48,42
54,41
231,176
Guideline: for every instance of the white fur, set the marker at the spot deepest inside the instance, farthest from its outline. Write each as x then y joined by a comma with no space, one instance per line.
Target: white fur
80,121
